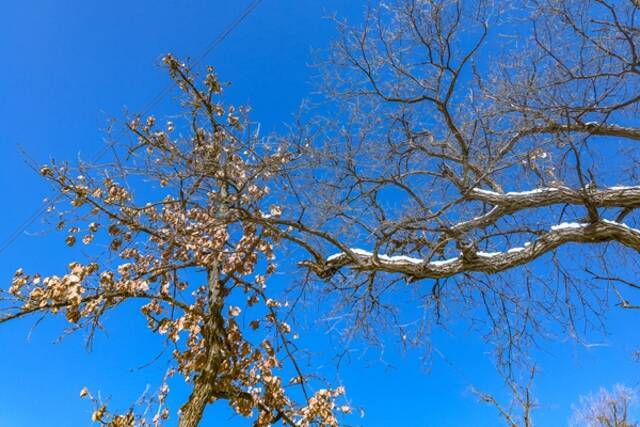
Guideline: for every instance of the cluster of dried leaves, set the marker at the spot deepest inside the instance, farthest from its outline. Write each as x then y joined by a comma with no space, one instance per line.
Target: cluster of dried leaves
198,251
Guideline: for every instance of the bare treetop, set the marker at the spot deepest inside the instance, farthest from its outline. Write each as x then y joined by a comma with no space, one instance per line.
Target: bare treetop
475,138
607,408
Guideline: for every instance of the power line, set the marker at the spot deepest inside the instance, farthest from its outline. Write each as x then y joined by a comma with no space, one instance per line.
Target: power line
214,43
18,232
6,243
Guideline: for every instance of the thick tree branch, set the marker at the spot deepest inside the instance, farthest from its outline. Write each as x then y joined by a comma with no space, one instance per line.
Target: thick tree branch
606,197
482,262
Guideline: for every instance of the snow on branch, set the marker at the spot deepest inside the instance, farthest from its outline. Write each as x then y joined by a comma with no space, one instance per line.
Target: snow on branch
545,196
595,128
391,259
487,262
514,201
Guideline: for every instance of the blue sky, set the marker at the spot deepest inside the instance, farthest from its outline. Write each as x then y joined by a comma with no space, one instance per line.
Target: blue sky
67,68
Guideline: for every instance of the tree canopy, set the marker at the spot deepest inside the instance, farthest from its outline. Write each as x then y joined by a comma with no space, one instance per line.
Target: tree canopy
471,160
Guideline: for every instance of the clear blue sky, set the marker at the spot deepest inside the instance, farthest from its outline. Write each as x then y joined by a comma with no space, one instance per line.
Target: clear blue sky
67,67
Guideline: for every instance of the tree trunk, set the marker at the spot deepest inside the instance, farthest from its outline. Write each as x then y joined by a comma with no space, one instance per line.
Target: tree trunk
191,412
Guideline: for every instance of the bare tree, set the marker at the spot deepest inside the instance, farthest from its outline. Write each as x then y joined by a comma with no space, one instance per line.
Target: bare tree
606,408
518,412
485,153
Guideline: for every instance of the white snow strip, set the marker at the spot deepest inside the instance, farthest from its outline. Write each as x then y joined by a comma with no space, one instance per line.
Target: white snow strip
477,218
515,250
489,192
546,190
361,252
397,259
531,192
488,254
383,257
516,193
400,259
635,230
622,187
567,225
439,263
335,256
